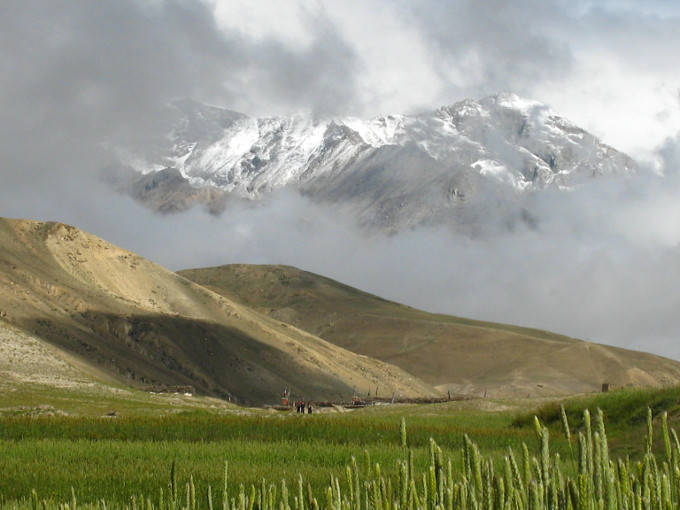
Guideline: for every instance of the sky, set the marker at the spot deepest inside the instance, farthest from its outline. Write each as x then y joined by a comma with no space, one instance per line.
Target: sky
78,77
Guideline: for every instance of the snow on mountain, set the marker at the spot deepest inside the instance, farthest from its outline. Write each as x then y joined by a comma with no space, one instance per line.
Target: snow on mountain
386,163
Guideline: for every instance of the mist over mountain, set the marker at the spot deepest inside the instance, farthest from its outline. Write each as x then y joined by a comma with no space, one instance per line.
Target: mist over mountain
390,172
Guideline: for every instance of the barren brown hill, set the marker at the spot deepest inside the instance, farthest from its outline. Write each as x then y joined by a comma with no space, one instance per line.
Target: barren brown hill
128,317
452,353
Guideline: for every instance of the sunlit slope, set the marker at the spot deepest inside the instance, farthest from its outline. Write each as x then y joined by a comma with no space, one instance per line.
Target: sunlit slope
455,354
141,323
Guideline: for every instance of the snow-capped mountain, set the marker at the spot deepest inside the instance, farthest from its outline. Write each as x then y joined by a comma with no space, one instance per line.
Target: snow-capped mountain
396,170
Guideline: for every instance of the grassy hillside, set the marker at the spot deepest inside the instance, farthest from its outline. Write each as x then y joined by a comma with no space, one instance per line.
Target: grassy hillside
124,317
453,353
625,412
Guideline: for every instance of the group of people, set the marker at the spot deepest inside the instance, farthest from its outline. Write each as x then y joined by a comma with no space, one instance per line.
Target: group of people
300,406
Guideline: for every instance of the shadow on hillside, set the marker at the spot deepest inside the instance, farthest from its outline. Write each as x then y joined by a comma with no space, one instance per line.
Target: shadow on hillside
215,359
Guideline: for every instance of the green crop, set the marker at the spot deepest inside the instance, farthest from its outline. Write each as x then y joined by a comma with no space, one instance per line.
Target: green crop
535,482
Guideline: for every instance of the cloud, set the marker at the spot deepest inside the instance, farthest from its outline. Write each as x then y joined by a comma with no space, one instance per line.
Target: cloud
601,263
604,65
486,47
105,68
319,78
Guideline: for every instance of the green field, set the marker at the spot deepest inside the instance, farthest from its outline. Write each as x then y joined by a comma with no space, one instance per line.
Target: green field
117,459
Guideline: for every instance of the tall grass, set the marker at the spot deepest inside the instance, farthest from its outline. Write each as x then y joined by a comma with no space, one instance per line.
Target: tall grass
519,481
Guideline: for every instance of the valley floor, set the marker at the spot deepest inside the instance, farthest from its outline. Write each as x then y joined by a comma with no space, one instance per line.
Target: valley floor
117,458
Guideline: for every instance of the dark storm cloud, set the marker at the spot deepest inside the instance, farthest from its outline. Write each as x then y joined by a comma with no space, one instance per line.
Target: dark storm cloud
93,67
101,69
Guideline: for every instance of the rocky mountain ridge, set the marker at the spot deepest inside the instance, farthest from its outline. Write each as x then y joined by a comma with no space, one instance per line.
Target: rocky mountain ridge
393,171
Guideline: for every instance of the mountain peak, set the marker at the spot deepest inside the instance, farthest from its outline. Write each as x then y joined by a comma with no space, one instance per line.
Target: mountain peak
513,101
501,140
